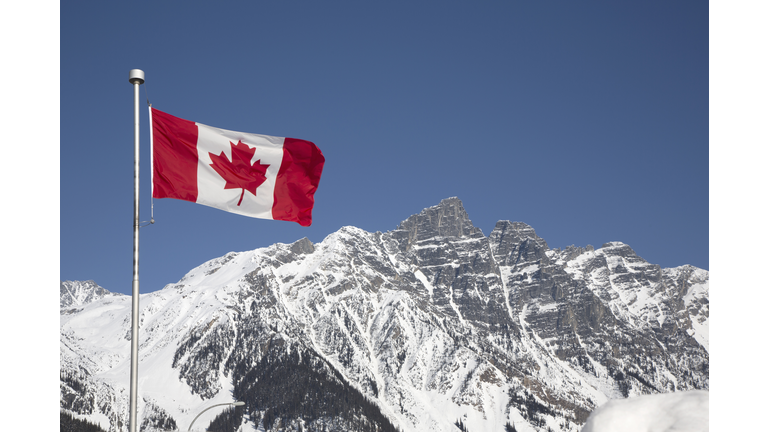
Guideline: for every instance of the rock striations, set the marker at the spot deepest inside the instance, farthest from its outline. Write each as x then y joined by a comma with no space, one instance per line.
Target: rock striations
421,328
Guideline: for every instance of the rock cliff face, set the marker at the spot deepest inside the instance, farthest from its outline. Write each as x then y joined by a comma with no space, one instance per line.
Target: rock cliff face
415,329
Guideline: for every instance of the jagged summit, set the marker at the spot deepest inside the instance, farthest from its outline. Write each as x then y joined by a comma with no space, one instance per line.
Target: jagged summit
447,219
303,246
516,242
519,231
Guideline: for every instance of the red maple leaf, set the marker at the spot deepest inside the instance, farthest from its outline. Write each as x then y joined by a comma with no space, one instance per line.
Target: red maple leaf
240,173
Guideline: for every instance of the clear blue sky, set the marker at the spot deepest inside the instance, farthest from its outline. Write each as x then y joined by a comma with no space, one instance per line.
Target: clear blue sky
587,120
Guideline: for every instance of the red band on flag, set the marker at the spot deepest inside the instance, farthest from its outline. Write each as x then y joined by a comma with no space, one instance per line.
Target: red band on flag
297,181
174,142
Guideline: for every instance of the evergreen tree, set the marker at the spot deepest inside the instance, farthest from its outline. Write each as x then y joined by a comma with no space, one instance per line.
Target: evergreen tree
460,424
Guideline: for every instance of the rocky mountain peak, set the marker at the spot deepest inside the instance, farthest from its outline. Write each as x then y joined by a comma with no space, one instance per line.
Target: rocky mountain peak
78,293
513,242
445,220
303,246
515,231
621,250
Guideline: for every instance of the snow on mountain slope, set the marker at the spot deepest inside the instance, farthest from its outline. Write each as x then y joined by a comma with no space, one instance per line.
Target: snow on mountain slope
432,323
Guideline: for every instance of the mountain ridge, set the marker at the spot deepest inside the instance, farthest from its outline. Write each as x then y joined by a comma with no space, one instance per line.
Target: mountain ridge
429,321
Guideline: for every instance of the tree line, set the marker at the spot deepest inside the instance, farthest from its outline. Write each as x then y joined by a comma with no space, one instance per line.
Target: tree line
69,423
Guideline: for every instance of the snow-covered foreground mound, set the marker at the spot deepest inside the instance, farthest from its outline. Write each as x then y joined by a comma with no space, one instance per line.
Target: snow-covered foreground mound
669,412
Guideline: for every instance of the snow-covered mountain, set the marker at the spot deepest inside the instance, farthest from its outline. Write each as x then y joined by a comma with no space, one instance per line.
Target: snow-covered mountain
77,293
421,328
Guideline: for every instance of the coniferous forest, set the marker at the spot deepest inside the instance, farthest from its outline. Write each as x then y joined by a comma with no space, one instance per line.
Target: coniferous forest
70,423
301,391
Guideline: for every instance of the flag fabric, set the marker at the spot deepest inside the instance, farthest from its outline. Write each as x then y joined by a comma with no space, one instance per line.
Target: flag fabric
254,175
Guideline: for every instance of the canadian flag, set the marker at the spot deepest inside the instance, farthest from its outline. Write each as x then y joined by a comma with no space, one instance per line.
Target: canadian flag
253,175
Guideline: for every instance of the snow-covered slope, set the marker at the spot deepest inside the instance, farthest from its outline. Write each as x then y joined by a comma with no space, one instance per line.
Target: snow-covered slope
419,328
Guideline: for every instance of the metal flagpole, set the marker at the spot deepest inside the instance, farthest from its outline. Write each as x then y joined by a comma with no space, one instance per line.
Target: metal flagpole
136,77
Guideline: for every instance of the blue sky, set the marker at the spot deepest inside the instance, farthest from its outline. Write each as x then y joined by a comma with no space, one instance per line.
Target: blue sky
588,121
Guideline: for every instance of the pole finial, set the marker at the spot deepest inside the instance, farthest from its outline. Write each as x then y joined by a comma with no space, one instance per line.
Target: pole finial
136,76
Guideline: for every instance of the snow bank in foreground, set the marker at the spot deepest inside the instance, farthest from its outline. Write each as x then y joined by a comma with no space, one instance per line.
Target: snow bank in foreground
678,412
